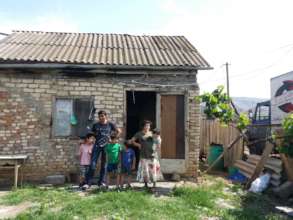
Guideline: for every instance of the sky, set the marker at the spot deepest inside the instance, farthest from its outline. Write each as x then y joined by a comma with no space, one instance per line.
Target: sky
254,36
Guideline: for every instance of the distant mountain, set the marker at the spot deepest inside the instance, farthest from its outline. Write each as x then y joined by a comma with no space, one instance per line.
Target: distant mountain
243,104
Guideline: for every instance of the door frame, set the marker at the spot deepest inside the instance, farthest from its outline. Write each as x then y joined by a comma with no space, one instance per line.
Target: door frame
175,165
167,165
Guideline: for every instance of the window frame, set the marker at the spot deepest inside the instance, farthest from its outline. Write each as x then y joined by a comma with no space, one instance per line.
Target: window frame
53,114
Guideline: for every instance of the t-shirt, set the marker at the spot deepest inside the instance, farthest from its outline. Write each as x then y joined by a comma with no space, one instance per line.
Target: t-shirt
112,151
85,151
103,132
127,157
146,141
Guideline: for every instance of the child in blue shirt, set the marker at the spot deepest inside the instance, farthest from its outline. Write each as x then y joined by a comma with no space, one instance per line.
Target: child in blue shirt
127,156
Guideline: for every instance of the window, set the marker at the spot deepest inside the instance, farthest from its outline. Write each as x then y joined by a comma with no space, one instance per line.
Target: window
73,117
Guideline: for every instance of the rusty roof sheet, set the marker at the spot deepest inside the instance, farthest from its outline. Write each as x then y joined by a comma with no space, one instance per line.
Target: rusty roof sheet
100,49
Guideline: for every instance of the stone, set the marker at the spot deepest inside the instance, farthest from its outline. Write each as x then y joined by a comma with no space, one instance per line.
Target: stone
55,179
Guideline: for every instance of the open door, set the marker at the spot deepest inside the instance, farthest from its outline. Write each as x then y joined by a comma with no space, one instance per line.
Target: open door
172,122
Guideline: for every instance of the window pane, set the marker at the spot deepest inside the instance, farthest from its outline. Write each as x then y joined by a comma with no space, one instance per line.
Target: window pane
82,109
63,112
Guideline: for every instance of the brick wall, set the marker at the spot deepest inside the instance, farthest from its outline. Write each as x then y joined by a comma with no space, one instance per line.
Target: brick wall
26,103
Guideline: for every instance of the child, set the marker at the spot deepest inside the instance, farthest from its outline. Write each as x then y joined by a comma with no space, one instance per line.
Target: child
113,149
126,164
144,141
85,152
157,174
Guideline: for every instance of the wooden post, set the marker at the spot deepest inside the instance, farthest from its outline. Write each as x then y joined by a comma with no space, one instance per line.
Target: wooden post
16,166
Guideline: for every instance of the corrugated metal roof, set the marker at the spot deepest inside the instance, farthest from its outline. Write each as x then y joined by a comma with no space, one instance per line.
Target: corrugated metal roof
100,49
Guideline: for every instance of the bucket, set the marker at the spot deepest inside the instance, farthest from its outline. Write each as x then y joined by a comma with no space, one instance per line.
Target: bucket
215,151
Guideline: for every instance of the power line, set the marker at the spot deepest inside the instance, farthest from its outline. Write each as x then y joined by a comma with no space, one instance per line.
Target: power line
248,73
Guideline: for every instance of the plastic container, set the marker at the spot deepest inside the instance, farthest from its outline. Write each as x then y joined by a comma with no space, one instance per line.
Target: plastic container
215,151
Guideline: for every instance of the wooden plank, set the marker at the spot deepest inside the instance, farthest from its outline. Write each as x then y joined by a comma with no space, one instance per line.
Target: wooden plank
253,159
244,166
275,162
259,167
273,168
168,126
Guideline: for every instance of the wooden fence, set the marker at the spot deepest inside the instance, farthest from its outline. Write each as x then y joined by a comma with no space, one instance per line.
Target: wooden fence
213,132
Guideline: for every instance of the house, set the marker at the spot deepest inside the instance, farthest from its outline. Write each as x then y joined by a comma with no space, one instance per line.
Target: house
51,83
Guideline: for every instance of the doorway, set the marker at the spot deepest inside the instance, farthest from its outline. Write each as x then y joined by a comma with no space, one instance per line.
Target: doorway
141,105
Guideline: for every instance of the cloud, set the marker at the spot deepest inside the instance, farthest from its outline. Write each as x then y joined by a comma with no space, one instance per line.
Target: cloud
47,22
247,34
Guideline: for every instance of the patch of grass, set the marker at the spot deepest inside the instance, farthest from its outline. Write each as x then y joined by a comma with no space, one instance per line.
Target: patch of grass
182,203
185,203
253,206
196,197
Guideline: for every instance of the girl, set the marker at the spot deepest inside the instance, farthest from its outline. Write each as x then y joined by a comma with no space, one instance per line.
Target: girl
85,152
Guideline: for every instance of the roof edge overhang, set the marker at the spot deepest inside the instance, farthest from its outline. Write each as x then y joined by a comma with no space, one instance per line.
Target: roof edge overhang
99,67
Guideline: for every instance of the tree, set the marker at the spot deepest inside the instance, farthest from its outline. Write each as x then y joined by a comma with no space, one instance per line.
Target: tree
218,106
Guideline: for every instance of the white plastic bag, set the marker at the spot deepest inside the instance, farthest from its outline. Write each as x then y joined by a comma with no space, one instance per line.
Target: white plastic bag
260,184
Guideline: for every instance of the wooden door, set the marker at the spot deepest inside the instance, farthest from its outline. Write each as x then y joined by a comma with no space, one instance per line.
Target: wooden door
172,127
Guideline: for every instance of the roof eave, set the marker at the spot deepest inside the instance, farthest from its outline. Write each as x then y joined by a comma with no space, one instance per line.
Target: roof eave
99,67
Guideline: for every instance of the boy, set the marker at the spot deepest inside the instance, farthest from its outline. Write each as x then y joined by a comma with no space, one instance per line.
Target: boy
102,130
126,164
113,149
85,152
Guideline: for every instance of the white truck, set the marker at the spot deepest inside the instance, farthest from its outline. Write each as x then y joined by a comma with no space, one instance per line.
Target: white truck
281,97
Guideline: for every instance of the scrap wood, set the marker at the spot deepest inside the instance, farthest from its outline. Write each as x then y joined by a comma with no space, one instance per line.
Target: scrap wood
274,162
273,168
260,165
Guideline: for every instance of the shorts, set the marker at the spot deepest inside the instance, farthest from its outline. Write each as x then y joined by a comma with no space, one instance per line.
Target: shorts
112,167
126,170
83,170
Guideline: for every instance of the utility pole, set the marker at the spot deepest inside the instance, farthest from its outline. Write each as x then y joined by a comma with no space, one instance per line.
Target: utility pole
227,78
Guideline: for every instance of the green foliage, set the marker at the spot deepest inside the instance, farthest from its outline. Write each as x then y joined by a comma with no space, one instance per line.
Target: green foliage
217,105
243,121
287,143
